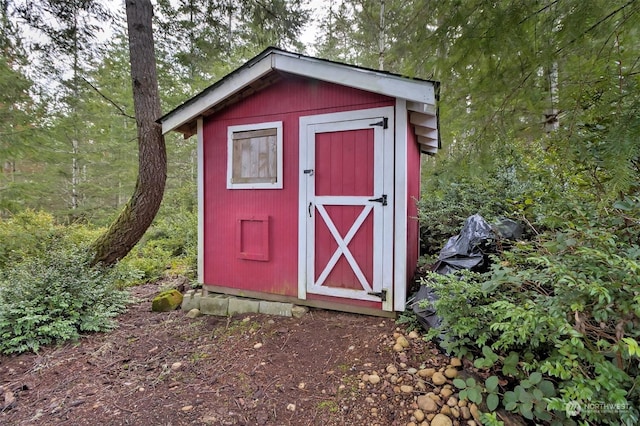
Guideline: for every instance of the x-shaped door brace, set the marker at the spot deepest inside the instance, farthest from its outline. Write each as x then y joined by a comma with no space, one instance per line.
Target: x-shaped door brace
343,246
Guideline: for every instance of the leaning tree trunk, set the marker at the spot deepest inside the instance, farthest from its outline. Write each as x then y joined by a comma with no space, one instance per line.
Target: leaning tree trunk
139,212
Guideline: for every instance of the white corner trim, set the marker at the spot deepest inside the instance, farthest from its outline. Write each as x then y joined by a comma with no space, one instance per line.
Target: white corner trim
200,159
400,242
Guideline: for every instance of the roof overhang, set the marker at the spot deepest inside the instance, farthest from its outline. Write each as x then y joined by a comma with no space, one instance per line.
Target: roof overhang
268,66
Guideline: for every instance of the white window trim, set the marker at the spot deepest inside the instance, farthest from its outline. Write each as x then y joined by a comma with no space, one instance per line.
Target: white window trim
258,126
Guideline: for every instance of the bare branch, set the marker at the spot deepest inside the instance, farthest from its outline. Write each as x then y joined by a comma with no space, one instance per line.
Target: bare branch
122,112
539,11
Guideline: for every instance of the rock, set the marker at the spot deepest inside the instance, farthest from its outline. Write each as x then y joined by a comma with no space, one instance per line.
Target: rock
435,397
426,372
299,311
9,400
426,404
446,410
452,401
419,415
257,346
406,389
441,420
391,369
456,362
465,412
446,392
412,370
374,379
209,420
455,412
194,313
473,408
167,301
413,335
398,347
438,379
402,341
451,373
187,408
291,407
176,366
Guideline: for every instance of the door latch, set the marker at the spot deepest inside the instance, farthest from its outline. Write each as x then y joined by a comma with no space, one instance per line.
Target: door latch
308,172
381,294
382,200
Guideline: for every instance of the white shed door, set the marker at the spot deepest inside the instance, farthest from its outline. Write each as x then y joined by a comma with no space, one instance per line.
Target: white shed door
347,207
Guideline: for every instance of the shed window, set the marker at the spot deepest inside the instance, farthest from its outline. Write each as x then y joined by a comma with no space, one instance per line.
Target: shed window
255,156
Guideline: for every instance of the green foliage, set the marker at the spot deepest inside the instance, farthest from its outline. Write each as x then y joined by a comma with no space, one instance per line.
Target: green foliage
557,317
30,234
168,248
451,192
55,297
409,319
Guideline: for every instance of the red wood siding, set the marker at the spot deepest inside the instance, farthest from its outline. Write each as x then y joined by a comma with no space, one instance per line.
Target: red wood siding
286,101
413,194
344,167
344,163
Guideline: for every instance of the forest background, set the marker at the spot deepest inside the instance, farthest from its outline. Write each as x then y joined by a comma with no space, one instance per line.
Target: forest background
539,120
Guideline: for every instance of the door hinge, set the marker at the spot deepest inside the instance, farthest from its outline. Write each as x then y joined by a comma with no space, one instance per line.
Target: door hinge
384,123
381,294
382,200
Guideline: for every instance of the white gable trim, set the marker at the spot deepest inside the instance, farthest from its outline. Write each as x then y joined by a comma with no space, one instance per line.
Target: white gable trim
233,84
417,91
371,81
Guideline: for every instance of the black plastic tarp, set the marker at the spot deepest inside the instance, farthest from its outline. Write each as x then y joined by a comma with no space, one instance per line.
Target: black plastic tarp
467,250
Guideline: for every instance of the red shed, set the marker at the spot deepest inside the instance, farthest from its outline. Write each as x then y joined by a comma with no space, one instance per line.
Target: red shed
308,171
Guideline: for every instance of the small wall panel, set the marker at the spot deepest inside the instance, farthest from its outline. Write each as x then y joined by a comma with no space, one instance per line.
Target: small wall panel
252,242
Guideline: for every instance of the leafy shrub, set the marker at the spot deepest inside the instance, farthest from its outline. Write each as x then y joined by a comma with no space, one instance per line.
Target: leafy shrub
447,201
23,235
30,233
55,297
557,317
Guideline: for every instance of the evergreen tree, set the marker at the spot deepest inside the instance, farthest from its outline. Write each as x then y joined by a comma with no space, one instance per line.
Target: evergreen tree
335,38
562,74
18,116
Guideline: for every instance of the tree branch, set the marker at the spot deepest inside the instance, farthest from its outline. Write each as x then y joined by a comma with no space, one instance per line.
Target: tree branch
122,112
592,27
539,11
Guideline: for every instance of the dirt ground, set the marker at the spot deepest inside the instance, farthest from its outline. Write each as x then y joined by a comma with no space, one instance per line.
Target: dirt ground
167,369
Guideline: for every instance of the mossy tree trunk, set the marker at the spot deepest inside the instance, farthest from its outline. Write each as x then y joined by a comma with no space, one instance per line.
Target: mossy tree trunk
137,215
